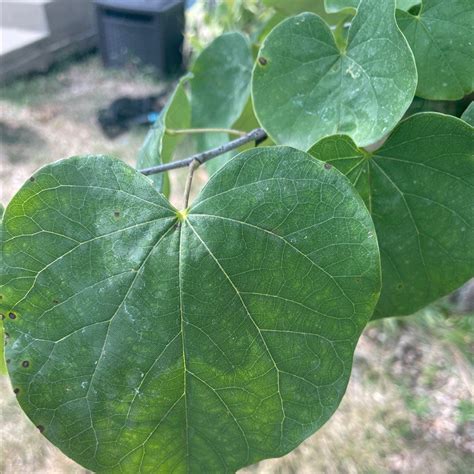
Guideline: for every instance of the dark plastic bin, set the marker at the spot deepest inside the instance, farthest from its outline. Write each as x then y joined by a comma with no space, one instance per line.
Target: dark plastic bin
148,30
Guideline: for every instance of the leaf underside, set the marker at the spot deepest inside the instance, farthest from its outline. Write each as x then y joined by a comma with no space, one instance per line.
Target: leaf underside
468,114
143,343
419,187
305,88
159,146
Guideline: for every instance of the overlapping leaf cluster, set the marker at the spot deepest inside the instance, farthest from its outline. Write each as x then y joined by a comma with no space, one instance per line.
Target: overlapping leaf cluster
146,339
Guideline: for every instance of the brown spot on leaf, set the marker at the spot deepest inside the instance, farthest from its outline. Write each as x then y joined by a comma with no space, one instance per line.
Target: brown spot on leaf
327,166
25,363
263,61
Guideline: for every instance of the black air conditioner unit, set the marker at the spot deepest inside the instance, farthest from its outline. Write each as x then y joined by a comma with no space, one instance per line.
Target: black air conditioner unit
150,31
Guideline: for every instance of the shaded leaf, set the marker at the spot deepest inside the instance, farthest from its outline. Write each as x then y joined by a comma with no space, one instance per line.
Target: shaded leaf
338,5
159,146
334,6
3,367
162,341
305,88
449,107
441,38
294,7
220,88
468,114
419,186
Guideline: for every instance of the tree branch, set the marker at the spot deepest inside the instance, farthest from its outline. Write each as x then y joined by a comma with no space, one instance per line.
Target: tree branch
184,131
256,135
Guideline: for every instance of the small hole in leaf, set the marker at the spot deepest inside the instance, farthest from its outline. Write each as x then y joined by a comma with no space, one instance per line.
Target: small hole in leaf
327,166
41,428
12,315
25,363
263,61
16,391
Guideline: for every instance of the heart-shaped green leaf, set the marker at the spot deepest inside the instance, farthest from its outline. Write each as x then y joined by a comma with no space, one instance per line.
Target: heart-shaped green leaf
144,339
442,41
305,88
159,146
220,88
419,186
468,114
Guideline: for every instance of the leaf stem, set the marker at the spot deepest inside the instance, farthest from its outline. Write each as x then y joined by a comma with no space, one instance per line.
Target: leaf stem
193,166
257,135
182,131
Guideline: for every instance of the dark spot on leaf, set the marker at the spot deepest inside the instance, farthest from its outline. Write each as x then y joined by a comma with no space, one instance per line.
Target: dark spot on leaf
16,391
8,361
263,61
32,179
55,302
400,286
12,315
1,297
41,428
327,166
116,213
25,363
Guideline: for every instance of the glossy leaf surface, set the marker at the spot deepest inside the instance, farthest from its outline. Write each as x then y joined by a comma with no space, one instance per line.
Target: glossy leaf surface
147,340
442,40
305,88
420,188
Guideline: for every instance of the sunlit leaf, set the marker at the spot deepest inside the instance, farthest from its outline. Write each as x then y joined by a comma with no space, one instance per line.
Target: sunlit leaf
305,88
149,340
442,40
420,188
